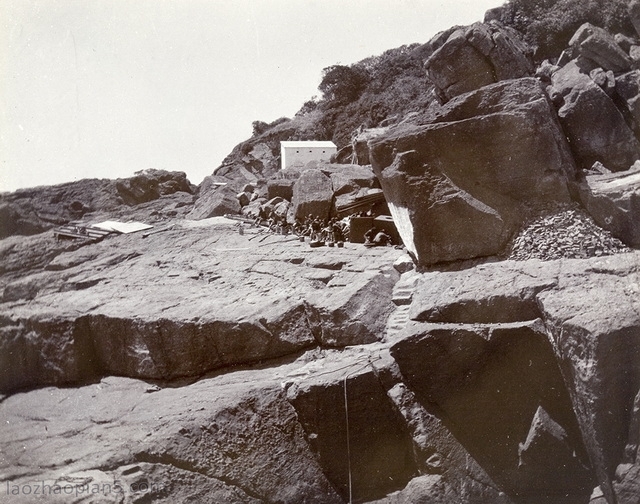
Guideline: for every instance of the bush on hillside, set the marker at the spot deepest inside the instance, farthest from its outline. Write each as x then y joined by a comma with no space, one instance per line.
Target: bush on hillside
548,25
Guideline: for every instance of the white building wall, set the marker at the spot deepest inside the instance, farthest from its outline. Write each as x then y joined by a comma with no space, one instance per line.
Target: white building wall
298,154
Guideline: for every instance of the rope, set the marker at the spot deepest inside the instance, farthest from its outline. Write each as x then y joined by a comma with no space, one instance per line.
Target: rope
346,413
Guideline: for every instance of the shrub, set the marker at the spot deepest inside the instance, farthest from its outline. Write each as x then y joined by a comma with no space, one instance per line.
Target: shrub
548,25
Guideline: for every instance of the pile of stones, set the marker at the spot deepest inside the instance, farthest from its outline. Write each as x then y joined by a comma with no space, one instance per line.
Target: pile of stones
569,232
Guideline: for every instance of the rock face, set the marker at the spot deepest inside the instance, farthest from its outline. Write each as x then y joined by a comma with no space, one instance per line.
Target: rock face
224,439
149,185
350,182
476,56
600,358
596,129
244,305
312,195
215,199
627,87
377,457
600,46
476,375
471,172
32,211
597,356
614,202
211,361
505,383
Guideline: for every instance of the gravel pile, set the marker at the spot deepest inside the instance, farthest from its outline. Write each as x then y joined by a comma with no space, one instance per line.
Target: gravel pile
567,233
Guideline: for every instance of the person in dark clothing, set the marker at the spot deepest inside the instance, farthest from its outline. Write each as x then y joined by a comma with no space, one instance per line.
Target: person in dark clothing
375,237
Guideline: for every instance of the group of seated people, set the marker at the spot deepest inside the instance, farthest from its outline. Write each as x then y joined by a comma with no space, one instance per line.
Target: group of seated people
330,231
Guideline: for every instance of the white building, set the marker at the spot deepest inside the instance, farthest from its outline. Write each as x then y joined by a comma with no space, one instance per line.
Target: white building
298,154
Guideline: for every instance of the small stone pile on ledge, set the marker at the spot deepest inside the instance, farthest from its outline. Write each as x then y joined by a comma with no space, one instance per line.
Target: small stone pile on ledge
567,233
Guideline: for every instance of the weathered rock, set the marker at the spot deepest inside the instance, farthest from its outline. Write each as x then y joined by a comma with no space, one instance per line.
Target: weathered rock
604,79
196,297
624,41
634,14
491,293
613,201
404,264
361,147
362,463
148,196
599,45
350,179
435,450
357,314
350,182
148,185
397,438
628,89
476,56
551,457
483,153
595,330
270,206
595,128
215,199
627,484
567,77
460,226
280,188
634,54
232,439
243,199
252,210
312,194
475,375
281,210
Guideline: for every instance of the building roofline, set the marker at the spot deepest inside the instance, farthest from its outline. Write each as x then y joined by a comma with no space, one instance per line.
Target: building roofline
307,143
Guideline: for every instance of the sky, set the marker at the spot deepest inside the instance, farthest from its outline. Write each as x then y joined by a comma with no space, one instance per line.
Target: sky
104,88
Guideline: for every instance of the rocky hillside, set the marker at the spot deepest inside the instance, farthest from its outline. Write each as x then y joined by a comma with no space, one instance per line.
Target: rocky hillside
495,358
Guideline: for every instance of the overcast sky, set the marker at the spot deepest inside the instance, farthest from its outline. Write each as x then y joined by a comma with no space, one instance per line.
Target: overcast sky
103,88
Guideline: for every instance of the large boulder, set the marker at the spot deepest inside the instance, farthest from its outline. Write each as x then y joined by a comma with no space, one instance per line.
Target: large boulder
475,56
364,462
627,486
474,169
487,383
349,182
598,45
634,14
148,185
627,87
280,187
360,144
594,327
593,124
312,194
613,200
215,198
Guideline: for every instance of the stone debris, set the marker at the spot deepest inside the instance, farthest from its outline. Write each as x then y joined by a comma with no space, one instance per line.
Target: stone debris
567,233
